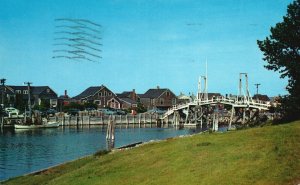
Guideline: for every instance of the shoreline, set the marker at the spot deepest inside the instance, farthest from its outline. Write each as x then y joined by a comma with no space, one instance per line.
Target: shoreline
113,150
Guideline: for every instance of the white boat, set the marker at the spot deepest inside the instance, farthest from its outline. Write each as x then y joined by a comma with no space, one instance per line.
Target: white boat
52,124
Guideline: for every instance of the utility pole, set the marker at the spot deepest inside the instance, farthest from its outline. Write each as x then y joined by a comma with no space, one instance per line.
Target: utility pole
29,100
257,88
2,81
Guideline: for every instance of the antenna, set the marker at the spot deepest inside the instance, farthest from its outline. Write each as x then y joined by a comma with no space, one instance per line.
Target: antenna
199,89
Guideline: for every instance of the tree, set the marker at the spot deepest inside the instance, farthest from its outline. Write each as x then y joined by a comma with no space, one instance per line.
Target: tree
140,107
282,53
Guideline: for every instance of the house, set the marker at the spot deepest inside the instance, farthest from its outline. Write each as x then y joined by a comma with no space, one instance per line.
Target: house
210,95
263,98
158,98
63,100
129,99
100,95
38,94
182,98
275,101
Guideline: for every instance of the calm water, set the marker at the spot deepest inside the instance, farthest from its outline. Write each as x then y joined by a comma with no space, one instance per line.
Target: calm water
25,151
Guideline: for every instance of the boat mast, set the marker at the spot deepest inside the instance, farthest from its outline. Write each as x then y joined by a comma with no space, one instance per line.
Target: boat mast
206,80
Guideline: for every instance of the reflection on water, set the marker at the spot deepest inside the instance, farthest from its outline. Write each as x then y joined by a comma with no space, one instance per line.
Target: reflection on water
25,151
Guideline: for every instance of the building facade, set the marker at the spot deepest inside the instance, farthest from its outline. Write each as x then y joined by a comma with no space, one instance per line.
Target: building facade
101,96
158,98
38,94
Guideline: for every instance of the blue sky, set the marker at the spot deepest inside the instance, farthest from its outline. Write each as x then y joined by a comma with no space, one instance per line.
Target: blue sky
145,44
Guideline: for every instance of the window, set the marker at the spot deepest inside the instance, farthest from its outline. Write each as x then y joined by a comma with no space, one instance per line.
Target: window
109,94
18,91
25,91
161,101
97,102
174,101
105,93
168,93
100,94
152,101
48,90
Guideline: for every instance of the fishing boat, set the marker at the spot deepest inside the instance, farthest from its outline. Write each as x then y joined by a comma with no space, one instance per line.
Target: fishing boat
34,119
52,124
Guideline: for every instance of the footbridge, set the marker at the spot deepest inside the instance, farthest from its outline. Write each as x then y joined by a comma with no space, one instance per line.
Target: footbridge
210,111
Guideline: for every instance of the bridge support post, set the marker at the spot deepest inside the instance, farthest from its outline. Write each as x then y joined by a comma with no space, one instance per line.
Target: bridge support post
244,115
201,122
215,122
187,115
231,118
176,119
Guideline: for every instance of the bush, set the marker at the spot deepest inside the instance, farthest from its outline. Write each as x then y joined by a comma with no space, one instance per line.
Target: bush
101,152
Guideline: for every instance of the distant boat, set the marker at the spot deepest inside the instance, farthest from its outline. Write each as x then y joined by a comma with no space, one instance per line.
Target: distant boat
52,124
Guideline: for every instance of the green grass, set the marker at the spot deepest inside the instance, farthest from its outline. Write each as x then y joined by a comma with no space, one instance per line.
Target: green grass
266,155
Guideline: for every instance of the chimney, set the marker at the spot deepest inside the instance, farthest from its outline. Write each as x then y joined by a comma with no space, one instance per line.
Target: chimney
158,87
66,93
133,95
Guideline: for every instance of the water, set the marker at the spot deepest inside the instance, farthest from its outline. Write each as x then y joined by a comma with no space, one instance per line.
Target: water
25,151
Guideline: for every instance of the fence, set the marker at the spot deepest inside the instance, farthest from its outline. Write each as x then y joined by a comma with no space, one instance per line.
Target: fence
143,119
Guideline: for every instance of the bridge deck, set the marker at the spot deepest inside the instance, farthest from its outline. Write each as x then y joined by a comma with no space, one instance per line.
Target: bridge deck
244,103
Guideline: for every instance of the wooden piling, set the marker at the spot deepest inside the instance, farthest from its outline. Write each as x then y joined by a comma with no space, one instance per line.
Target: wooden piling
110,133
144,120
63,120
133,121
139,120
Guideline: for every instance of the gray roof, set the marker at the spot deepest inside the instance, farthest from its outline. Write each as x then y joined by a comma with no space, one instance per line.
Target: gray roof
128,100
14,87
88,92
35,90
124,94
261,97
153,93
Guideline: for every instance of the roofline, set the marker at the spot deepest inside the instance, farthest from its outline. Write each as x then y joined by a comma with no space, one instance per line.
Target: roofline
46,86
126,101
165,92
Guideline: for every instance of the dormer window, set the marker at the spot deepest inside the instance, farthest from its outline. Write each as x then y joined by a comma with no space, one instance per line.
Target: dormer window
18,91
25,91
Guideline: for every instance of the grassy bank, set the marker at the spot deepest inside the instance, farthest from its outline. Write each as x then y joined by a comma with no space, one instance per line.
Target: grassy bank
268,155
